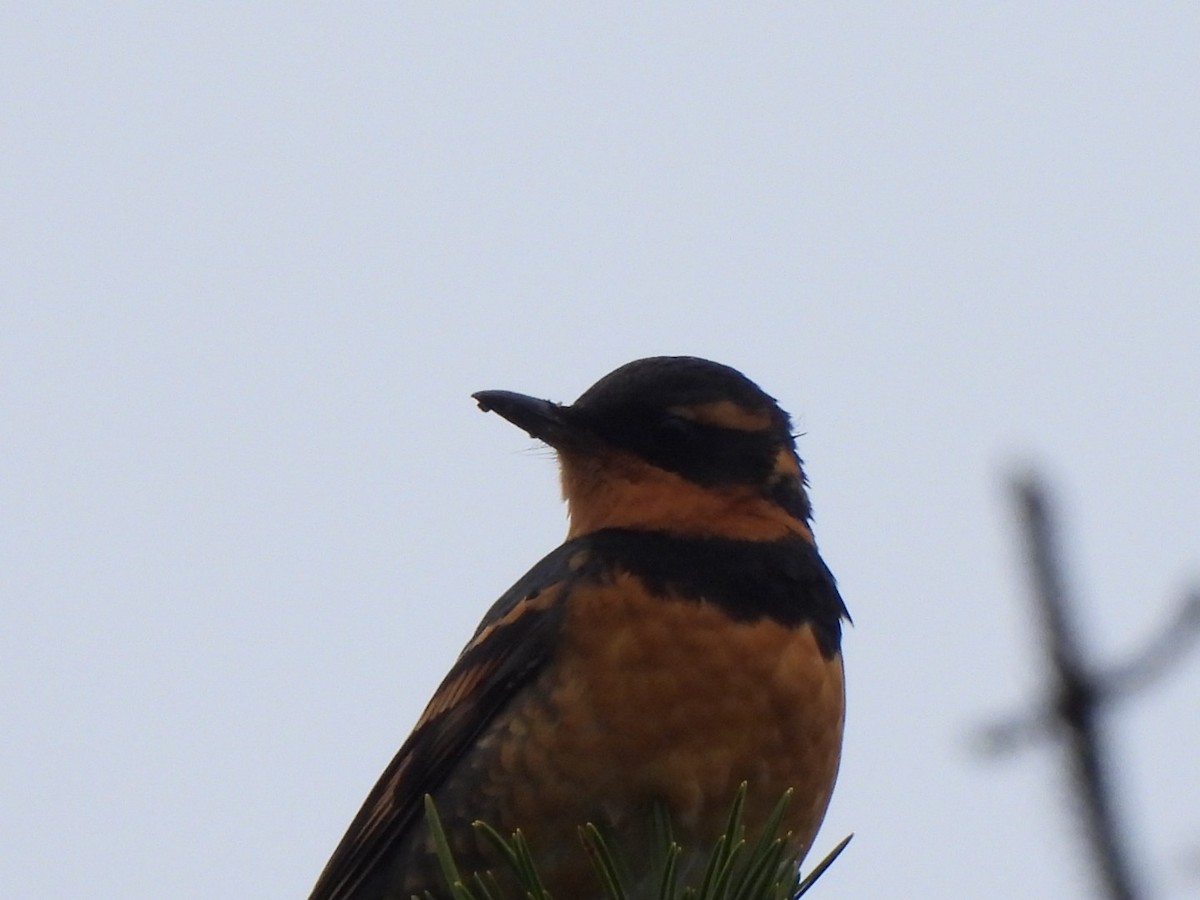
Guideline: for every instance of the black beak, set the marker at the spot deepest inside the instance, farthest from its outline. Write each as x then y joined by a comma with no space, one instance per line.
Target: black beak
540,419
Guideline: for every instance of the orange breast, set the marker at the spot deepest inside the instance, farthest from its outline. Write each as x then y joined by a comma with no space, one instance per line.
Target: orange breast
652,699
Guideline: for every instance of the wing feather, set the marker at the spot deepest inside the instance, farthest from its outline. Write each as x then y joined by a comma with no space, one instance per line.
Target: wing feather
512,644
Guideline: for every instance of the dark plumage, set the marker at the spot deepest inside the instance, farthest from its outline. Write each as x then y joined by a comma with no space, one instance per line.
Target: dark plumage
685,638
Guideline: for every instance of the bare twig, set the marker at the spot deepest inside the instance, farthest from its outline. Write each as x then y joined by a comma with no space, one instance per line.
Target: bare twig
1154,660
1080,692
1076,695
1159,654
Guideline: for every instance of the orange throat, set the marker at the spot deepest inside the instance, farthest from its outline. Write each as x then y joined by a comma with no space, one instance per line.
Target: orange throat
618,490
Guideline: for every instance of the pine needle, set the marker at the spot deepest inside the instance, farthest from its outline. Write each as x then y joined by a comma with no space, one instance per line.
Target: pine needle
736,869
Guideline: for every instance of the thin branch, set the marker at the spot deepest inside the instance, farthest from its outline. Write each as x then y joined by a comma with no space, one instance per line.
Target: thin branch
1156,657
1077,694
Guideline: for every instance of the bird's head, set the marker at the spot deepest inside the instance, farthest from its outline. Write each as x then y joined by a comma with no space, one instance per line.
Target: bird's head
671,443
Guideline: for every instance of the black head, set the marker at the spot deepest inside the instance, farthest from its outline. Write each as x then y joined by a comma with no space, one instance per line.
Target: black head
700,420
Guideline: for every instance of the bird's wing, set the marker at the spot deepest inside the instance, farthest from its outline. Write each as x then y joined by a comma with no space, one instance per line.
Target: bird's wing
512,644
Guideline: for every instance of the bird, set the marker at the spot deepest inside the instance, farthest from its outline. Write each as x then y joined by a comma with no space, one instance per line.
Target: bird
685,638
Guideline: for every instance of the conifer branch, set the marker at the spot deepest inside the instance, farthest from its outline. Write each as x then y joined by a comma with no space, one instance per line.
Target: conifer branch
737,868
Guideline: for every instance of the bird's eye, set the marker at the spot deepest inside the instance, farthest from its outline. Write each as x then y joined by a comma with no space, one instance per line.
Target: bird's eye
672,432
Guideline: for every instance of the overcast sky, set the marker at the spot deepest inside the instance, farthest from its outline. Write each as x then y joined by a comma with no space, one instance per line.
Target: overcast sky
256,256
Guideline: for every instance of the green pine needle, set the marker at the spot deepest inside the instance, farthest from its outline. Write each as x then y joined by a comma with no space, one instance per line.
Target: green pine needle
604,862
736,870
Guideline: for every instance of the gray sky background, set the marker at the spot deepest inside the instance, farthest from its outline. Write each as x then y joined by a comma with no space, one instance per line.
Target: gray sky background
256,257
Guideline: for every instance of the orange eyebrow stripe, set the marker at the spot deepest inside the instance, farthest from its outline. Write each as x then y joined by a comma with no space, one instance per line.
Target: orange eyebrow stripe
725,414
